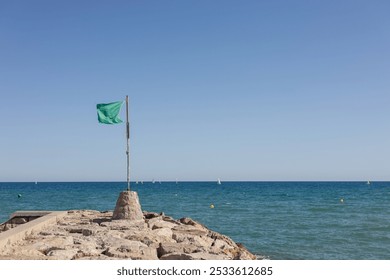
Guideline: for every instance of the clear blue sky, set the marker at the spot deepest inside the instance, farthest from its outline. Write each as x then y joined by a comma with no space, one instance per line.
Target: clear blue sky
240,90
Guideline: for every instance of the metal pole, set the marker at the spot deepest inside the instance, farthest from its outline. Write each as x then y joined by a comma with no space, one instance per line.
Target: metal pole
128,142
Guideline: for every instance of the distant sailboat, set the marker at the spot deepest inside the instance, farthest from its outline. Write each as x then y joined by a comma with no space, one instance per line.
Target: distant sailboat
153,181
219,181
368,182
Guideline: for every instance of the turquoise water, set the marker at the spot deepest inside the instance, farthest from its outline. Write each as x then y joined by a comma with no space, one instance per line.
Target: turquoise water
281,220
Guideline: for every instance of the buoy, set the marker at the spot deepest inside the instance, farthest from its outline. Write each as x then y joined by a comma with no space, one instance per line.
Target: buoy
19,195
342,200
211,206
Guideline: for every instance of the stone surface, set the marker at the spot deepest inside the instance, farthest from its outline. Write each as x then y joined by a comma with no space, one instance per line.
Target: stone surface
20,231
177,248
127,207
94,235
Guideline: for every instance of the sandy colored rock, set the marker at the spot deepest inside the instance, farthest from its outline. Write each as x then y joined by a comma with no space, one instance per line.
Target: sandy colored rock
177,248
176,256
150,237
124,224
135,251
159,222
61,254
19,221
166,233
208,256
94,235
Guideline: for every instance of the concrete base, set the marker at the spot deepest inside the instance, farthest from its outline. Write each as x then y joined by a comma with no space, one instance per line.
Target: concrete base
127,207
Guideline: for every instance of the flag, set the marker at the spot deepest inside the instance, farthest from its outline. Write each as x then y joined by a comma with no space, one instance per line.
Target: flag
109,113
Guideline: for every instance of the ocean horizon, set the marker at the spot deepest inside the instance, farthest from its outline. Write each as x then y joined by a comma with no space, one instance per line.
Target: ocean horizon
277,219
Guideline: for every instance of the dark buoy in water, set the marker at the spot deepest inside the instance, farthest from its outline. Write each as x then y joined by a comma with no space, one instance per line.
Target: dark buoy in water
19,195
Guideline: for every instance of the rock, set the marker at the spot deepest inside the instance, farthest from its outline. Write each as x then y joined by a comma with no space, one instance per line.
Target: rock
87,232
170,219
85,229
62,254
177,256
207,256
182,234
75,230
150,237
99,257
177,248
93,235
18,221
116,242
219,245
150,215
159,223
88,249
135,250
124,224
191,230
244,254
28,253
128,207
165,233
217,236
202,241
46,233
188,221
52,243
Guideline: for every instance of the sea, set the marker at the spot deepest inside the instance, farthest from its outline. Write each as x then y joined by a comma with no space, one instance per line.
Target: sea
278,220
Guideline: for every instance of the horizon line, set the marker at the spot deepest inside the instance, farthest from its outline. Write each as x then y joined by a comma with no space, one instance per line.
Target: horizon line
192,181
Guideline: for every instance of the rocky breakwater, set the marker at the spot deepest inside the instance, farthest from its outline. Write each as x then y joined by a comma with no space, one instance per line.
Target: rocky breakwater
94,235
89,234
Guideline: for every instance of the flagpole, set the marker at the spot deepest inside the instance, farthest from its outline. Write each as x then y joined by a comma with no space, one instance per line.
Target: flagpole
128,142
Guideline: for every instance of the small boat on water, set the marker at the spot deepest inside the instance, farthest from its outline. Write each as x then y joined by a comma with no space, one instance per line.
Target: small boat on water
368,182
219,181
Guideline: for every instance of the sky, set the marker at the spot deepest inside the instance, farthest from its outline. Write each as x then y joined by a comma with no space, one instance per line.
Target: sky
237,90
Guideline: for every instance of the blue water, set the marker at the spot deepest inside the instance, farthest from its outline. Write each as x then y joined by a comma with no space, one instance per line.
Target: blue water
281,220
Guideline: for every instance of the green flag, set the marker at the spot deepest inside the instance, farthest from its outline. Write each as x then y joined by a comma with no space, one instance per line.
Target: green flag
109,113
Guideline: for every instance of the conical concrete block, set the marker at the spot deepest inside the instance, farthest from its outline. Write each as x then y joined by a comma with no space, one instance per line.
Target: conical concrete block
127,207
